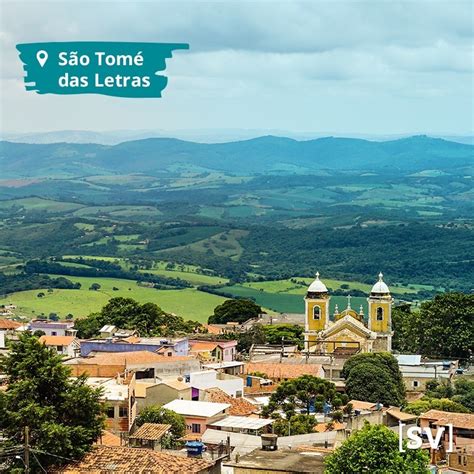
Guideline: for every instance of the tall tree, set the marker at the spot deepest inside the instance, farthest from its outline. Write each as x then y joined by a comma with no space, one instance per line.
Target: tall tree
374,377
235,311
375,449
64,416
447,326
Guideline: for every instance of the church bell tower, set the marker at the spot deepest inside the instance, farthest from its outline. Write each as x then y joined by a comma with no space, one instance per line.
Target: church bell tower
316,311
380,315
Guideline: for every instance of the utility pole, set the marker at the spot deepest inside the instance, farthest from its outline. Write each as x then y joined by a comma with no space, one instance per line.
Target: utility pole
27,450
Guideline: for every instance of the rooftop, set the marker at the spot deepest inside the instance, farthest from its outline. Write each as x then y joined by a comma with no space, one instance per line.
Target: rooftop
151,431
243,422
9,324
238,406
283,370
124,460
282,460
129,358
107,438
458,420
56,340
194,408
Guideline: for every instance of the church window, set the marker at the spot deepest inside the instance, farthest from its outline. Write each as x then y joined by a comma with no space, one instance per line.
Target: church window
317,313
379,314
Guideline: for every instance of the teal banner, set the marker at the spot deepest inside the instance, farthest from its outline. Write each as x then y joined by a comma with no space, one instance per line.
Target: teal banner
107,68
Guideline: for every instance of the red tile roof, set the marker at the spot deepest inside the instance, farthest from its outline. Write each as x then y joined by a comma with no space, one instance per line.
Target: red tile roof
238,406
458,420
282,370
56,340
9,324
151,431
104,459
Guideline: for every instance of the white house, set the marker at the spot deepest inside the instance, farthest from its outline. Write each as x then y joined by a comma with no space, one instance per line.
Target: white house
230,384
65,345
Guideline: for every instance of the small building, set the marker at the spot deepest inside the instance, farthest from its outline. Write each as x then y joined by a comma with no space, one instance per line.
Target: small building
463,436
133,343
214,351
202,380
53,328
198,415
68,346
417,373
2,339
162,392
118,396
147,365
9,326
149,436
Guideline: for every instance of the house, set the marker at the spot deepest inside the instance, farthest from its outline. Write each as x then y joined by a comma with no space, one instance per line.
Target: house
417,373
147,365
118,396
198,414
122,460
238,406
134,343
149,436
162,392
219,329
7,309
202,380
214,351
463,437
64,345
284,371
53,328
9,326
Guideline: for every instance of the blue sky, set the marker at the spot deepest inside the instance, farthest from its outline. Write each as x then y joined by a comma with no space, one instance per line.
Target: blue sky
346,67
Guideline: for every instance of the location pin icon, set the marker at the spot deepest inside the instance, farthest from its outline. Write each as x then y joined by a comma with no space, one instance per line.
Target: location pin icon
42,57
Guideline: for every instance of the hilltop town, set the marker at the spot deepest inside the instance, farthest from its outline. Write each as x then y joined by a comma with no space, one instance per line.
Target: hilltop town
220,398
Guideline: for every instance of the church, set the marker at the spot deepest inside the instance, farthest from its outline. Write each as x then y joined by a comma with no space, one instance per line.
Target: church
347,331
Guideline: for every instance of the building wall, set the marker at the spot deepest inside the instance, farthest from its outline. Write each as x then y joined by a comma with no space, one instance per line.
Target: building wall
2,339
161,394
98,346
94,370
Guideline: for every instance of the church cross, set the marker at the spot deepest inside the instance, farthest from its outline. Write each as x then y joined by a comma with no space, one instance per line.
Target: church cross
349,301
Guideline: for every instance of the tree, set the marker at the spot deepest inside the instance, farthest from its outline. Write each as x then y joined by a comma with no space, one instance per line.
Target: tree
375,449
158,414
126,313
443,327
446,325
53,317
289,333
95,287
235,311
374,377
255,335
64,416
443,404
306,393
294,425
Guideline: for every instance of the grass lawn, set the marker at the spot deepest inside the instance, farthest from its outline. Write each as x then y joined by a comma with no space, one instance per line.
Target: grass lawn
188,303
192,277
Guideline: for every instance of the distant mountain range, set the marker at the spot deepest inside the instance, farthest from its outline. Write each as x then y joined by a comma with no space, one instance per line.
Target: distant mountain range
261,155
114,137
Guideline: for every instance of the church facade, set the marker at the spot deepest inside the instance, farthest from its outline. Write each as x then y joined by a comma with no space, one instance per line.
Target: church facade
348,331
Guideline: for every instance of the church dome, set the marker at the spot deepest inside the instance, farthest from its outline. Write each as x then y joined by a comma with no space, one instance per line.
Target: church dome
380,287
317,286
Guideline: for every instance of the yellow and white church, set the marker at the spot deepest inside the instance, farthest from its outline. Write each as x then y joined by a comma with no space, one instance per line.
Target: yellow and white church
347,331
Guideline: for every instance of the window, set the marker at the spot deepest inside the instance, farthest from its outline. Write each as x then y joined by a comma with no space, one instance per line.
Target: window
110,412
123,411
416,383
196,428
316,313
54,333
379,314
59,348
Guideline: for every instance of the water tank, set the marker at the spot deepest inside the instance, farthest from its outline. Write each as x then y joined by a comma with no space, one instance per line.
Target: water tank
194,448
269,442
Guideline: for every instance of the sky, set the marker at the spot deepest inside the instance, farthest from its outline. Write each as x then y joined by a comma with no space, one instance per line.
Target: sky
345,67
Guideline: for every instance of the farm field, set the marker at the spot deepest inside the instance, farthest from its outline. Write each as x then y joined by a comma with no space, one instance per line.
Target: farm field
188,303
